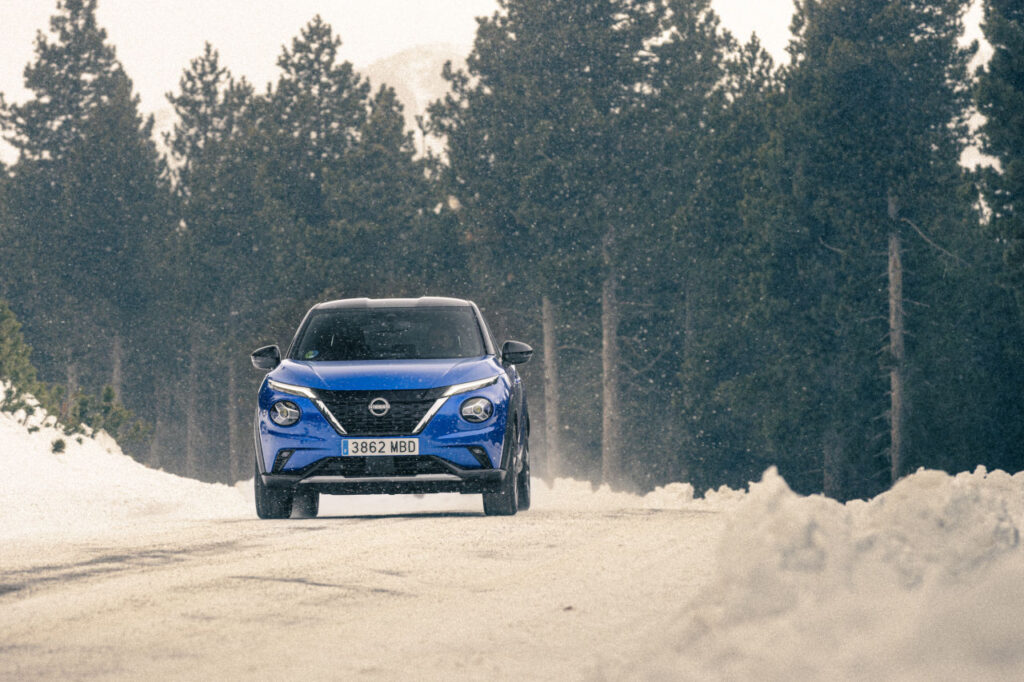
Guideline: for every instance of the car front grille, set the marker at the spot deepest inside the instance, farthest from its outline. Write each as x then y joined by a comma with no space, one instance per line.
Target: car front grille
351,409
367,467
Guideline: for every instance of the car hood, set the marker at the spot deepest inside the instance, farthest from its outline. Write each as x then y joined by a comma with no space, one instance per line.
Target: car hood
385,375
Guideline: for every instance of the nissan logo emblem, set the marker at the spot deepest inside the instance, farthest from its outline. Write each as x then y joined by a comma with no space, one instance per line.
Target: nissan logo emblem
379,407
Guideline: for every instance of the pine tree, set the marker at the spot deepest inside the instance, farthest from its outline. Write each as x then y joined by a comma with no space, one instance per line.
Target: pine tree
211,108
535,133
17,374
71,76
217,259
719,259
379,196
866,159
686,143
86,186
1000,97
312,120
8,256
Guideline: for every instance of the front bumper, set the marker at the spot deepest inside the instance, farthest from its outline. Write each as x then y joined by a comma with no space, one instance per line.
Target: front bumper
387,476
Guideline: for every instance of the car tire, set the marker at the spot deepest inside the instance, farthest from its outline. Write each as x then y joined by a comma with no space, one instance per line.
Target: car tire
306,505
523,481
505,502
271,504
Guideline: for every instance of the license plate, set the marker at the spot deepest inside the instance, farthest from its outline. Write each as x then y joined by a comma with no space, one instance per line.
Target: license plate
380,446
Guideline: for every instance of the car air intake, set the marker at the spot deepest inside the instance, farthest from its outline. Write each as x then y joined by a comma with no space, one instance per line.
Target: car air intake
351,409
384,465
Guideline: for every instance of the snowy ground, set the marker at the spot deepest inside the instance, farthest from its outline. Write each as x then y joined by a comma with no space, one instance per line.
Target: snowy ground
110,570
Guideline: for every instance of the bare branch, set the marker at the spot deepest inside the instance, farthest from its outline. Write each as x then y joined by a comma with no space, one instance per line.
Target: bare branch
649,366
831,248
578,349
933,244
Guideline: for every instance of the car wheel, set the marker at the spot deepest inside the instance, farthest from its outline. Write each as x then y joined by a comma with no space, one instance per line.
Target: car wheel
523,481
306,504
505,502
271,504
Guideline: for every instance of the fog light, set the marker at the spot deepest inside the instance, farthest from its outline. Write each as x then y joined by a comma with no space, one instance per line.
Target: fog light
481,456
476,410
281,460
284,413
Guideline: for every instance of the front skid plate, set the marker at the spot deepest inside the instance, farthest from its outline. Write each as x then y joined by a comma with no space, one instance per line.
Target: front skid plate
469,482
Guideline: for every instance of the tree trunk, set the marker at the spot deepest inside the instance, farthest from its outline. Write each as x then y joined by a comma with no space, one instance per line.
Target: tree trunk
689,338
552,422
192,412
832,464
897,356
117,358
155,443
687,429
71,391
163,407
234,442
611,445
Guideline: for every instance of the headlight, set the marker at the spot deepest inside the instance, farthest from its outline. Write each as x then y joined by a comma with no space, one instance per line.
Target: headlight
469,386
294,390
476,410
284,413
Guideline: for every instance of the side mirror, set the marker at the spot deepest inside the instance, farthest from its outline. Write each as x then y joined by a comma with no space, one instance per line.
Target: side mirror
266,358
515,352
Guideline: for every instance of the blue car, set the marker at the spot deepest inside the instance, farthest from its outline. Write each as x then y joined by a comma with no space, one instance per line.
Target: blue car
391,396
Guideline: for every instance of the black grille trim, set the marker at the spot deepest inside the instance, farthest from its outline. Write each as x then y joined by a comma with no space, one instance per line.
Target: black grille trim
384,466
351,409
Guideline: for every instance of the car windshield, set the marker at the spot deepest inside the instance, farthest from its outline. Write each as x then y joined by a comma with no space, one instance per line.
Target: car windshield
390,334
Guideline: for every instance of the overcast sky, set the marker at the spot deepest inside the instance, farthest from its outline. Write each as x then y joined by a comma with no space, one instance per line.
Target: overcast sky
155,39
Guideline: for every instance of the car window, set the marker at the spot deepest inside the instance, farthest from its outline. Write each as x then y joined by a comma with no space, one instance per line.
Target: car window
390,334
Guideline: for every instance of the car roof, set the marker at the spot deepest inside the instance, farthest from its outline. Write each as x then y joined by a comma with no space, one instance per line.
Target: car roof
421,302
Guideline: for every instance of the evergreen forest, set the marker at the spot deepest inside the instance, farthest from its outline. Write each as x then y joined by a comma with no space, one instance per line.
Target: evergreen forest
723,263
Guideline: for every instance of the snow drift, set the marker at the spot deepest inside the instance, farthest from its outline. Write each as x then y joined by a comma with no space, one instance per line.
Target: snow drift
90,487
925,581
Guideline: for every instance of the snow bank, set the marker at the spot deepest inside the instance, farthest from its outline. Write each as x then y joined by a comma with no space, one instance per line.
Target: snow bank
923,582
568,494
91,487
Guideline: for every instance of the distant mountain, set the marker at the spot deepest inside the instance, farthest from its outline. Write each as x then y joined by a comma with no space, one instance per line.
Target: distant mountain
415,74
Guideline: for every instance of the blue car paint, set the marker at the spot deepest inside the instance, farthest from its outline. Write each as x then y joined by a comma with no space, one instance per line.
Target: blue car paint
384,375
446,435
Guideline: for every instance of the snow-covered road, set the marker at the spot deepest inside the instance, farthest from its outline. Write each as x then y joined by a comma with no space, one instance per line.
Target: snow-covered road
548,594
111,570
